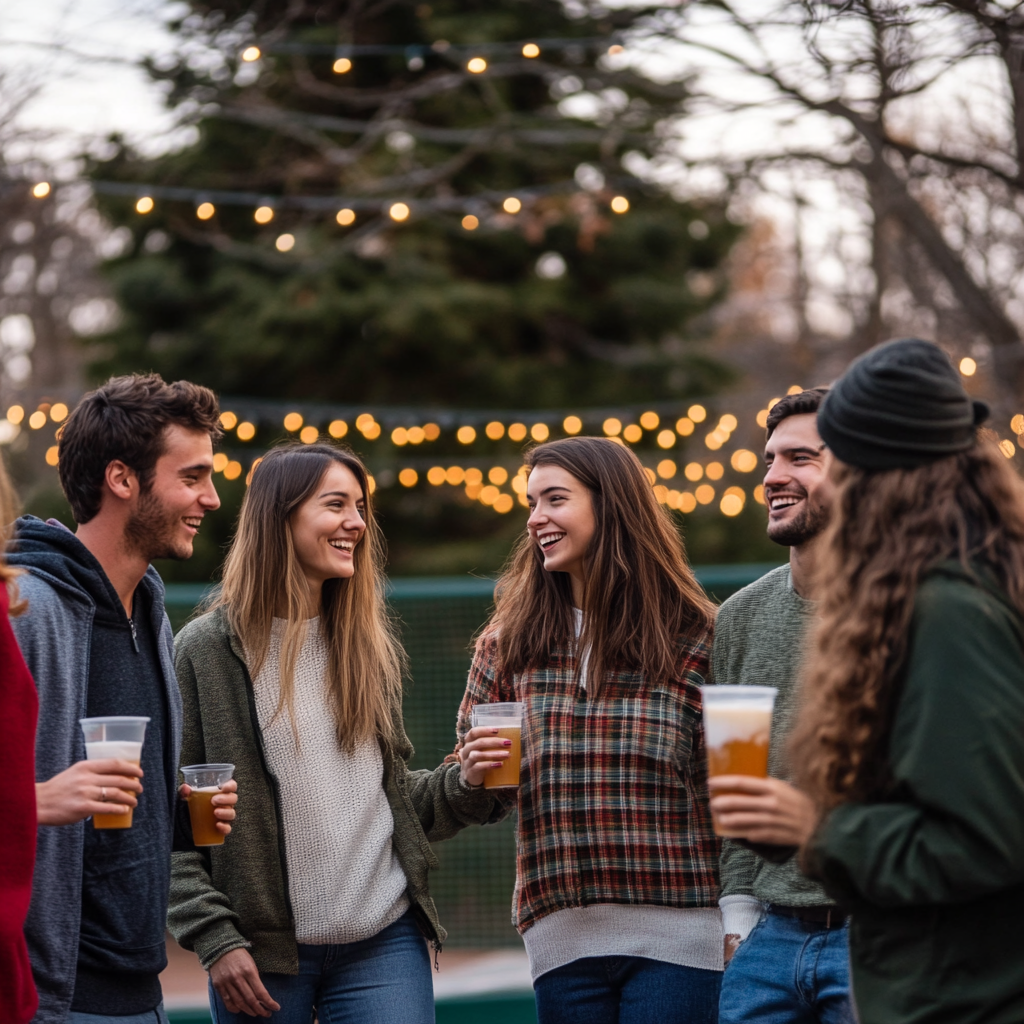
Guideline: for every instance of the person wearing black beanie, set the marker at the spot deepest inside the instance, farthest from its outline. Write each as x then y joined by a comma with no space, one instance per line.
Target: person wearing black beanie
900,405
909,752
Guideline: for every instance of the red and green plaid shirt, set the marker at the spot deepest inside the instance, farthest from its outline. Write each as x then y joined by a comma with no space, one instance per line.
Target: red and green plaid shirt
613,796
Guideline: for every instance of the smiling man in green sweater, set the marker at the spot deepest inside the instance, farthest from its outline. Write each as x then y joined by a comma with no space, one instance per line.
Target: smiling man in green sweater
786,942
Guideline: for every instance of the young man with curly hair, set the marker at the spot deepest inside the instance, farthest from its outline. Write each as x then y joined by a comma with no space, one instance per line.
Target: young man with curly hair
135,462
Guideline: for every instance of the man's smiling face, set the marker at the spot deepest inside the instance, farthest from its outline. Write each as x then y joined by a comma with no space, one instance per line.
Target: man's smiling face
797,488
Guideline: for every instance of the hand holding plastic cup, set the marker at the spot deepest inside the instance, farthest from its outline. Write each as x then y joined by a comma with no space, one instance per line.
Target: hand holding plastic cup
508,720
119,736
205,781
737,730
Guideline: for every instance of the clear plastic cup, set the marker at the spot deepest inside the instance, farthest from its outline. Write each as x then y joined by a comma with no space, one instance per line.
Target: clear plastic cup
737,729
508,720
119,736
205,781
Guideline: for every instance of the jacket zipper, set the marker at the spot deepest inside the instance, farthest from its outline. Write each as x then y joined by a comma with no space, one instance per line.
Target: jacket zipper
135,636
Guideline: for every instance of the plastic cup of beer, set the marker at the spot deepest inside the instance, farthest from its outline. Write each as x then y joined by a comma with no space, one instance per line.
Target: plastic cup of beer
737,728
508,720
117,736
205,781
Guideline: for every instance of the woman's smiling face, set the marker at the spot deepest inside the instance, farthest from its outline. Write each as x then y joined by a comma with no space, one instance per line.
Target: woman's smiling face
328,525
562,521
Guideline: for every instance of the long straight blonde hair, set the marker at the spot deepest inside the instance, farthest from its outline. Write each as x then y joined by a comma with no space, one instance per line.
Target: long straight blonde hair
366,659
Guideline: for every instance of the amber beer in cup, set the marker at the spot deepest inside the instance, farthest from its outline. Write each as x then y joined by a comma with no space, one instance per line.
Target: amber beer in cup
117,736
737,728
205,781
508,720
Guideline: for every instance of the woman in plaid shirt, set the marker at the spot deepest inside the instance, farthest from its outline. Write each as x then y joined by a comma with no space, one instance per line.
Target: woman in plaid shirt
602,630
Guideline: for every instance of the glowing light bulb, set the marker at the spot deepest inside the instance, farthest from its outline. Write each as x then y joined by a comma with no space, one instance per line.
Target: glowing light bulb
337,428
346,217
620,204
342,66
285,242
246,431
263,214
204,211
572,424
228,420
968,367
41,190
470,223
531,50
399,211
293,421
476,66
144,204
251,53
512,205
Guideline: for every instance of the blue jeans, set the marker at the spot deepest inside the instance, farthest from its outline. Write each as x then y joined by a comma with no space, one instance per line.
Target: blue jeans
384,978
626,990
156,1016
789,972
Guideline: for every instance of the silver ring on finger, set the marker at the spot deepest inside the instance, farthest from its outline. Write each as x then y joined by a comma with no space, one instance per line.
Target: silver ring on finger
103,794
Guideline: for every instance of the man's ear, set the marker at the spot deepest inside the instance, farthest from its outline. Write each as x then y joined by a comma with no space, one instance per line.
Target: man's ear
121,480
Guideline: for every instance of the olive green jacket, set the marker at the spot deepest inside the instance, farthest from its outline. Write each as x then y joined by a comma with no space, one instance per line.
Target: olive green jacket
934,874
236,895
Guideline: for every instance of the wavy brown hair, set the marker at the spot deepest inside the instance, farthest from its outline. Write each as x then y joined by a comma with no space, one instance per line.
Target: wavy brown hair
365,657
888,530
640,595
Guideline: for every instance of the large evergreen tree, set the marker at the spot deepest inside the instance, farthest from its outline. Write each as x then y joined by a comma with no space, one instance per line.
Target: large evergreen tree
550,300
562,300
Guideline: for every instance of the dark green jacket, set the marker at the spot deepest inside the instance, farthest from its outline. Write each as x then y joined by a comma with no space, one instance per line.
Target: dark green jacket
236,895
934,876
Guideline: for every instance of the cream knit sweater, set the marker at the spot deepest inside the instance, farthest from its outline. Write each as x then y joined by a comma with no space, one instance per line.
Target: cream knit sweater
344,879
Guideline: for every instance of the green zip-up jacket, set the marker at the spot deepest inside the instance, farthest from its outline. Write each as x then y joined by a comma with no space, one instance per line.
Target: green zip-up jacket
236,895
934,875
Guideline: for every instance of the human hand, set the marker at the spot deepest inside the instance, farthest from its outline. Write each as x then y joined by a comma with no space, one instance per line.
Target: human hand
107,786
761,810
237,982
732,943
482,750
223,804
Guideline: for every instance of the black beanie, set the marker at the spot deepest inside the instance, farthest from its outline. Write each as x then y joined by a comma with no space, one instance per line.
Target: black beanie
900,405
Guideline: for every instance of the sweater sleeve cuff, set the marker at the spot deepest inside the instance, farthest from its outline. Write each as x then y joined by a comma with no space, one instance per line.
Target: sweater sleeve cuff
472,805
218,940
740,914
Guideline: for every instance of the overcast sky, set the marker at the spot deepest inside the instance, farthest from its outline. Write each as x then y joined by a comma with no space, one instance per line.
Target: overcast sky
94,88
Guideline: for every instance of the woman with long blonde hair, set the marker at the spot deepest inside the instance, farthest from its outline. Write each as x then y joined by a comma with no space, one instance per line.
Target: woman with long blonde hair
318,902
910,749
602,631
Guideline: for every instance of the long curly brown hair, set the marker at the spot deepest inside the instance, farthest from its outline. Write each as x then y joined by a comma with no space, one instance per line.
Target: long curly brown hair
888,530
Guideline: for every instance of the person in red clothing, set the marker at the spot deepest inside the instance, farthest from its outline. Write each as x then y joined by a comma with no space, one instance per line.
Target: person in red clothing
18,710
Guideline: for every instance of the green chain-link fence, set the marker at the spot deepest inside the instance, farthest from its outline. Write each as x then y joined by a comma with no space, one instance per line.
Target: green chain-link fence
440,616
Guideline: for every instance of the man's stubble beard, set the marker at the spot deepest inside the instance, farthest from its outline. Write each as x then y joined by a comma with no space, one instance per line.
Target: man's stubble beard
805,527
151,530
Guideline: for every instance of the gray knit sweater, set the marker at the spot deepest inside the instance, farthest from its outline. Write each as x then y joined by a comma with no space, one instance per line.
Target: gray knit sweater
759,640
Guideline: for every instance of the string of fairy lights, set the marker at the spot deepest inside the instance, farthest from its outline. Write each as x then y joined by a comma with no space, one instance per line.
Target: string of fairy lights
687,453
412,449
348,210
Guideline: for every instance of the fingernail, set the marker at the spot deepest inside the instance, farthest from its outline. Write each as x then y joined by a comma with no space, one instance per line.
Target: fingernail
494,732
507,743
